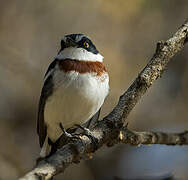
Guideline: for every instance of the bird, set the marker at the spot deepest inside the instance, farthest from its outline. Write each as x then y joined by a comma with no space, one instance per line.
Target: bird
75,86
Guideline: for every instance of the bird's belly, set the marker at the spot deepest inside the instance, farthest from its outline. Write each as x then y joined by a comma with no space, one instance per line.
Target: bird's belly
73,103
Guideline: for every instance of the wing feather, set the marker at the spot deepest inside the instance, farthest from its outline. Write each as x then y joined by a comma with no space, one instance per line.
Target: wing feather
45,93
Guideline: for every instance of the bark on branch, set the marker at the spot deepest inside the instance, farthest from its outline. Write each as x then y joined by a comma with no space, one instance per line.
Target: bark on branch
127,136
112,129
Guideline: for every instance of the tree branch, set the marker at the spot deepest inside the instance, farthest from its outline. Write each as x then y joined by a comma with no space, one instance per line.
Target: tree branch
127,136
111,129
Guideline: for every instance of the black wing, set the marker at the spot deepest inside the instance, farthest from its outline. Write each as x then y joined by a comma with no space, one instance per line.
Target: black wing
46,92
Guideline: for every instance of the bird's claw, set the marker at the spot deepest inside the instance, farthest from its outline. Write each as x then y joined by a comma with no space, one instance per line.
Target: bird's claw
65,137
88,133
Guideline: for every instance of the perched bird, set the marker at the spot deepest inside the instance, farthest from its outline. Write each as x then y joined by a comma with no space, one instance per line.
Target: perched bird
75,87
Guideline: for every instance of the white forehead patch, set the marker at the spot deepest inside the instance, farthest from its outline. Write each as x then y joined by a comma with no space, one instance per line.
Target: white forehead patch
79,54
79,37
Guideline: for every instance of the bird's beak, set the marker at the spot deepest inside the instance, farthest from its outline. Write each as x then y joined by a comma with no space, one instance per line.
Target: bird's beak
70,42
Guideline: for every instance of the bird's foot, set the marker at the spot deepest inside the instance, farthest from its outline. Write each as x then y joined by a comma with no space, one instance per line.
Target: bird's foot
88,133
65,137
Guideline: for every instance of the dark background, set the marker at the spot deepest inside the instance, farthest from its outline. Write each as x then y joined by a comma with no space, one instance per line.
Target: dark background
126,33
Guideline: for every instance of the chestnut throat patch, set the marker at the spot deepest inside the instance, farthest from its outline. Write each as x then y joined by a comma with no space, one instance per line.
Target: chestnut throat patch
82,67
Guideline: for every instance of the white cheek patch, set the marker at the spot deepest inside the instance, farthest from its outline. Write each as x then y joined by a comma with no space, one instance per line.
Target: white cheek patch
79,54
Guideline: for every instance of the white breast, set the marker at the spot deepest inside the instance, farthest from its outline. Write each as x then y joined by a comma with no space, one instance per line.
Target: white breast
75,99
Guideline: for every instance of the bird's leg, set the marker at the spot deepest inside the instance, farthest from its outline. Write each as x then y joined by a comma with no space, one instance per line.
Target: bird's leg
65,133
88,133
65,137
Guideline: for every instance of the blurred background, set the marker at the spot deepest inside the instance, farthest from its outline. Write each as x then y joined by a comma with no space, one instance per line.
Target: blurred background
126,33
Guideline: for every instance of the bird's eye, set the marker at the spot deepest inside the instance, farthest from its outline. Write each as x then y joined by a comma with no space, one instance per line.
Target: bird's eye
86,44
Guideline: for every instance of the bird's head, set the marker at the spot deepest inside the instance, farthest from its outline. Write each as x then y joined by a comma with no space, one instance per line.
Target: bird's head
78,47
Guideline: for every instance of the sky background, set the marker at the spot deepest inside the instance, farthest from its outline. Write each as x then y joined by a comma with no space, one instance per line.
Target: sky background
125,33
